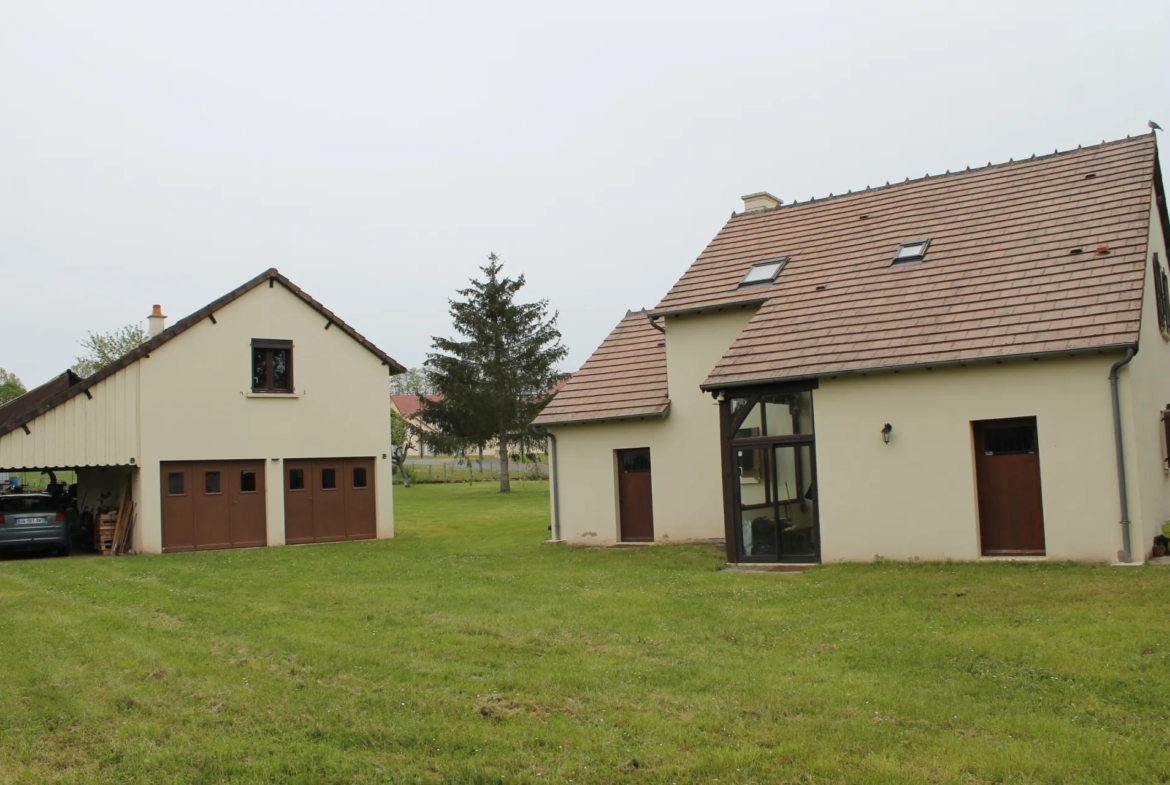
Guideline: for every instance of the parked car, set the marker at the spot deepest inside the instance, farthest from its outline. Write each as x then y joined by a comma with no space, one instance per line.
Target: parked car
33,520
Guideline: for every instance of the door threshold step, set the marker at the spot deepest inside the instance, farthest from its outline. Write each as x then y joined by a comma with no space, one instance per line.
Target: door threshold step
631,545
729,567
1020,557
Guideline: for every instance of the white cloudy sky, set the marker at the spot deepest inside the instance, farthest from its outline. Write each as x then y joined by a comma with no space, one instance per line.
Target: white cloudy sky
375,152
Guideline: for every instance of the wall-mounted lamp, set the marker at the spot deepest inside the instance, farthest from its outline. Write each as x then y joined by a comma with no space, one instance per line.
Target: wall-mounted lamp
719,396
886,431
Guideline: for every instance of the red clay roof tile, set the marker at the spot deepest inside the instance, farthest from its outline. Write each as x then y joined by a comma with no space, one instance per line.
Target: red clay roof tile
625,378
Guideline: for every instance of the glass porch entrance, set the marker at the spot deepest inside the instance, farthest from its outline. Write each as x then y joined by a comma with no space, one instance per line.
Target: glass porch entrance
770,477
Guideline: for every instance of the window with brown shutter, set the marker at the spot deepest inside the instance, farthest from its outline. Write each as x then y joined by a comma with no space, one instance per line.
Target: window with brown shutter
272,366
1162,296
1166,438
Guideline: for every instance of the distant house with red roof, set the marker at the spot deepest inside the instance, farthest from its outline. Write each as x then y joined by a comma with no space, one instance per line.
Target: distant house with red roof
408,407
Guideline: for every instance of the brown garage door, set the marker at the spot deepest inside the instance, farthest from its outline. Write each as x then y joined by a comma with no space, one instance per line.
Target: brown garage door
329,500
207,505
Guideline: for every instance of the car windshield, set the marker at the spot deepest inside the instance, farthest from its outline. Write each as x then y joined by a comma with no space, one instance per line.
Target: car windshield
19,504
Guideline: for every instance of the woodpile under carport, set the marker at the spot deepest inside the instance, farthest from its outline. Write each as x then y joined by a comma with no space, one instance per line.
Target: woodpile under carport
111,531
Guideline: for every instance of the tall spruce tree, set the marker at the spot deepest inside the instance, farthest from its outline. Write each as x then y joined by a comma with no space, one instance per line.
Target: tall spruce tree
496,377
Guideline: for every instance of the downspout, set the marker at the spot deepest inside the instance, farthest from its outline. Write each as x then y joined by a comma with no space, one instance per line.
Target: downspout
654,323
556,476
1126,554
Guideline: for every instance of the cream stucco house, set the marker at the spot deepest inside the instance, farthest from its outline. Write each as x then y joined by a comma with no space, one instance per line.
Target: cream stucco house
260,419
972,365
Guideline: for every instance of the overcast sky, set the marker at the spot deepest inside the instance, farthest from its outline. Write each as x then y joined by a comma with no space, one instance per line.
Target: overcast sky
375,152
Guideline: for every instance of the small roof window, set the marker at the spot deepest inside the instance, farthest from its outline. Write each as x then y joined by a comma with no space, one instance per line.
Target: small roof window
763,272
914,251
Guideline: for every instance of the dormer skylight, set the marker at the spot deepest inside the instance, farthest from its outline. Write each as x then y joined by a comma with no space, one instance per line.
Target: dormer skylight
914,251
763,272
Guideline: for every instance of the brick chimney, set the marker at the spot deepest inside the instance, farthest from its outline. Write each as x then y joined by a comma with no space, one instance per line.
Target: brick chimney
157,321
753,203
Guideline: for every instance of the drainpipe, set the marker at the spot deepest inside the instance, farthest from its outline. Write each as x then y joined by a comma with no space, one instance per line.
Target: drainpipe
1126,554
654,323
556,476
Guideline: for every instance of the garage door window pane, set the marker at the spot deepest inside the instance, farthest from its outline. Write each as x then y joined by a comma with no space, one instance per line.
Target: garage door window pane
359,477
211,482
328,479
296,479
247,482
175,484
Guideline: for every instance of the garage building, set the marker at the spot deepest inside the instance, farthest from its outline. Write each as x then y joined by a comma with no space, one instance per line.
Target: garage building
258,420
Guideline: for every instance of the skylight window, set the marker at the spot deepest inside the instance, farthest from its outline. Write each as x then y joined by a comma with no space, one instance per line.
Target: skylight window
763,272
912,252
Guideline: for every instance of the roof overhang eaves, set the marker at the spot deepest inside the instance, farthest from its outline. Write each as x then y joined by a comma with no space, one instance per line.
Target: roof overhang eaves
715,306
655,415
737,383
128,359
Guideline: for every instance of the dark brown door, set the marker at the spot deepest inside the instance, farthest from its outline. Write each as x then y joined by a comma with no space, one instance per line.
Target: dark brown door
635,502
298,502
361,521
328,500
178,508
249,521
208,505
1007,473
213,524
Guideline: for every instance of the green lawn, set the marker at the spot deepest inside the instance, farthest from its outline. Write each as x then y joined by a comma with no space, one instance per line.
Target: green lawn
466,651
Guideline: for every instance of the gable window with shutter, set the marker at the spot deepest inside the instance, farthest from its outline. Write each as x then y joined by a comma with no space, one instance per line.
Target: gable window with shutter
272,366
1162,296
1166,438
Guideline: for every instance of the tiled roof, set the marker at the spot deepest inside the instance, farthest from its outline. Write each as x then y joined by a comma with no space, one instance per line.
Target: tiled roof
408,405
20,410
1013,268
624,379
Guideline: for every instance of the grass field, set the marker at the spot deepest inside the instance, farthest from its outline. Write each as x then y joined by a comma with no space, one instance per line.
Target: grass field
466,651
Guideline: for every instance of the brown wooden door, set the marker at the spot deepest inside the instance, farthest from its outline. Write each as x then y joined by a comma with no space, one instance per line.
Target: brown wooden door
329,500
361,521
298,502
213,525
178,508
1007,473
248,518
635,500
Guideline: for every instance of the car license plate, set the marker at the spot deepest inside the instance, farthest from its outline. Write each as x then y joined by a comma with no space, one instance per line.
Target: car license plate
33,521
